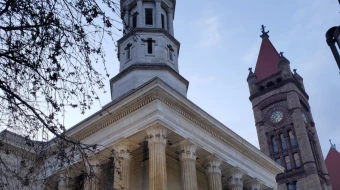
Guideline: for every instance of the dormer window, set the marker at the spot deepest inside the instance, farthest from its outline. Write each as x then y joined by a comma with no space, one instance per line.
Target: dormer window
148,16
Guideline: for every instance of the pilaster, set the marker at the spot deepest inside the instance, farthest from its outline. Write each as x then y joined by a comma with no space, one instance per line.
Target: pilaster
158,14
213,172
140,14
170,21
157,163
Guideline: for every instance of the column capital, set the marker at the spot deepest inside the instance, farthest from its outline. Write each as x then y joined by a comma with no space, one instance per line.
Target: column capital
94,163
124,148
235,181
253,184
212,164
156,134
186,149
170,10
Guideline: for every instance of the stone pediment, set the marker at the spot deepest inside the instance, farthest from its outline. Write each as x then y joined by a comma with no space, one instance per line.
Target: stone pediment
157,103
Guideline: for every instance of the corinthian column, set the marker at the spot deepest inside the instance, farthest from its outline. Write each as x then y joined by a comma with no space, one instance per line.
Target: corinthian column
157,162
122,161
213,172
187,157
93,171
235,179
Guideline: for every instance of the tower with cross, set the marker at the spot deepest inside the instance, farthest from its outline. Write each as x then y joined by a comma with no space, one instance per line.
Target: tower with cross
148,48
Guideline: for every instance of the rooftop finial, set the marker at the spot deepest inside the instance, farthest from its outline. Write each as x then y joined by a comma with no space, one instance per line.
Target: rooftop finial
250,69
264,33
294,70
333,146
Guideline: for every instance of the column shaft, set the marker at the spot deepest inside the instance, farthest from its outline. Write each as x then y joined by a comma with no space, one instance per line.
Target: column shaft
157,162
189,178
215,182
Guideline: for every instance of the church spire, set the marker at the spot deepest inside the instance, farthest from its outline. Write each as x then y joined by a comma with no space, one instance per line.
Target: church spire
268,59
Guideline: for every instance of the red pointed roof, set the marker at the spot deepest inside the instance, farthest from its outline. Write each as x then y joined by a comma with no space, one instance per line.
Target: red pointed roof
268,60
333,166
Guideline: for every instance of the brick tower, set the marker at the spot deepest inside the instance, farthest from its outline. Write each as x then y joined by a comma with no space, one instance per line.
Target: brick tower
284,122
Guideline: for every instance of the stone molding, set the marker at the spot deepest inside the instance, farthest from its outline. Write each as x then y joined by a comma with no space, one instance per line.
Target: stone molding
157,96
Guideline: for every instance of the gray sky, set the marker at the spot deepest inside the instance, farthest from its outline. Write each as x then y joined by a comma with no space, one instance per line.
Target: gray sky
220,40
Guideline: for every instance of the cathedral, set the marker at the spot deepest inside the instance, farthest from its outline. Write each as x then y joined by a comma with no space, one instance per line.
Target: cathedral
163,141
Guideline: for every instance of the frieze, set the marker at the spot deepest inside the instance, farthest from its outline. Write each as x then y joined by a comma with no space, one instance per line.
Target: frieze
95,127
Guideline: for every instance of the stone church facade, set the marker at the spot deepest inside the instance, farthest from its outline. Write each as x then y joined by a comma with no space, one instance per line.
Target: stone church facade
163,141
284,122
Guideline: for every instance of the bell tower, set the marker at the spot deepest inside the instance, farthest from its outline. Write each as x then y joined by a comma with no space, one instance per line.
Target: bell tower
148,48
284,122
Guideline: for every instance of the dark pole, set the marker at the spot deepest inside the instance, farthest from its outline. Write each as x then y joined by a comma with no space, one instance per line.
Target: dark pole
330,38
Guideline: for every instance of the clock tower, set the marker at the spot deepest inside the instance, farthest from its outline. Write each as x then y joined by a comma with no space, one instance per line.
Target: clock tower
284,122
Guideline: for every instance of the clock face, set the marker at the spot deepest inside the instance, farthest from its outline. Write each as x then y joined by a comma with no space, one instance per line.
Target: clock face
276,116
304,118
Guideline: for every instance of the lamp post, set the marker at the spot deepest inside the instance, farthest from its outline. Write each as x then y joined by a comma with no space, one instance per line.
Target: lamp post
332,37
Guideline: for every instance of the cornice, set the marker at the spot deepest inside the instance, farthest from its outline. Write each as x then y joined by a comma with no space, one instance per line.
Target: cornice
187,111
149,30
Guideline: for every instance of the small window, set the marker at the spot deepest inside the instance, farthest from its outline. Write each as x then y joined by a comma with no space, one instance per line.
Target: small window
163,22
296,184
297,160
274,144
134,20
283,142
278,161
289,186
288,164
150,46
292,139
170,55
148,17
128,53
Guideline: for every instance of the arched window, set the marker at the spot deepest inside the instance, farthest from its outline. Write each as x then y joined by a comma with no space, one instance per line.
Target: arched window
283,142
292,138
274,144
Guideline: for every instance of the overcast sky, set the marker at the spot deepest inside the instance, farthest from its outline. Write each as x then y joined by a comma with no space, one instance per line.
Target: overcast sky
220,40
